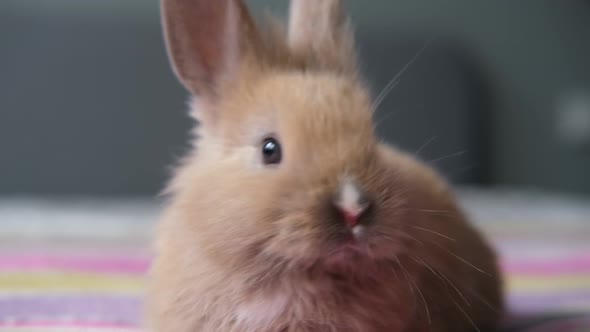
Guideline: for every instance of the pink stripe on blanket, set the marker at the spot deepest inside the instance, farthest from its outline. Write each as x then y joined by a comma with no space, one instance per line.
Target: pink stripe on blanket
90,264
579,264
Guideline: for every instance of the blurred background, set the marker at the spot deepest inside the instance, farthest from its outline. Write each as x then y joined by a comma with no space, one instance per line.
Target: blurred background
500,97
92,119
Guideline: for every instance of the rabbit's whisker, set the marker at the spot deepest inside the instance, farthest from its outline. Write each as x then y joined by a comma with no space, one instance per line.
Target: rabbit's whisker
395,79
461,259
411,281
432,139
466,316
434,232
452,155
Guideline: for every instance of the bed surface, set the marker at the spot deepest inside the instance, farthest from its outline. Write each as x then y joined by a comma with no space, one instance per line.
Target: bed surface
78,264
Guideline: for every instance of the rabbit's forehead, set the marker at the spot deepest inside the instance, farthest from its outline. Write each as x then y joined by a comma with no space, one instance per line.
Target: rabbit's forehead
319,106
308,112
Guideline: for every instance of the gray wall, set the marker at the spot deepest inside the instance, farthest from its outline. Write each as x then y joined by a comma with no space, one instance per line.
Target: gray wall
88,103
537,53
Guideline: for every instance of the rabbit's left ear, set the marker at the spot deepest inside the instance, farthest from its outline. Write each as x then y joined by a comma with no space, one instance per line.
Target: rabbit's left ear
207,40
321,32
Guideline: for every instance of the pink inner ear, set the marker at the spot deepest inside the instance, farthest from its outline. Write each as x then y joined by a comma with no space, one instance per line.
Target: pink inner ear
199,37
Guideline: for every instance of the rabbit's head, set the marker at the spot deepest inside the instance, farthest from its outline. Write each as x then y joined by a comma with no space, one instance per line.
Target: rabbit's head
287,166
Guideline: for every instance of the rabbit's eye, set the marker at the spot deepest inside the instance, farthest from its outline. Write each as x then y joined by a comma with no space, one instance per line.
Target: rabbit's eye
271,151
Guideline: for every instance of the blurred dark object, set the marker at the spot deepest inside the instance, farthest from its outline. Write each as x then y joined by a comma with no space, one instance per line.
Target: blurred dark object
439,107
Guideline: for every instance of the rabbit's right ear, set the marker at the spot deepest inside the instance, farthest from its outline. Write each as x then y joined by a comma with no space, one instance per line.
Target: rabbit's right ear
207,40
321,31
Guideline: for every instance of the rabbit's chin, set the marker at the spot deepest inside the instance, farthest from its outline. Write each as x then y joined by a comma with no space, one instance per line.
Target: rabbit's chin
351,264
349,259
355,258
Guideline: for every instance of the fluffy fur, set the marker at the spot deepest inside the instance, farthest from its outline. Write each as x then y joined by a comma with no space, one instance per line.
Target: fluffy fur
247,247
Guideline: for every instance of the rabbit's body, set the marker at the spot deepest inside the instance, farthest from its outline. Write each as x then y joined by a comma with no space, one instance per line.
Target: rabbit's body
324,228
427,290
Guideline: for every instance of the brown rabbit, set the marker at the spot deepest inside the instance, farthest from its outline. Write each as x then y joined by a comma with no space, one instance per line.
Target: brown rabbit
292,216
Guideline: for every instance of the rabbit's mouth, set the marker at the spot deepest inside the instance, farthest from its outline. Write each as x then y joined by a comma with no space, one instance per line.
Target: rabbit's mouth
349,247
345,258
355,260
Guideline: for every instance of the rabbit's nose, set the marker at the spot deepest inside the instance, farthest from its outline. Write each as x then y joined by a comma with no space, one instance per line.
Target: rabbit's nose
351,218
351,203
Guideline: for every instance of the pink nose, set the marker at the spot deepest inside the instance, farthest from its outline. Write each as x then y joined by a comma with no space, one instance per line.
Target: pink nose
351,203
351,217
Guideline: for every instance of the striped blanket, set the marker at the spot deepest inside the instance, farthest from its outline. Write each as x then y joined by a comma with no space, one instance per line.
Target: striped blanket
80,266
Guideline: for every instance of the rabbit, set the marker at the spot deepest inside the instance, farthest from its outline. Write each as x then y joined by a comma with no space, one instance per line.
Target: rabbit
289,214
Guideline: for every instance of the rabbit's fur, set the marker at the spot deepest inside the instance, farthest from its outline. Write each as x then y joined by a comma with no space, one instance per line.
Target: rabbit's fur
249,247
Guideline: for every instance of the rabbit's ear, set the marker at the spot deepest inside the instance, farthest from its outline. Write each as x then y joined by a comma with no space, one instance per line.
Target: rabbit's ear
320,31
207,40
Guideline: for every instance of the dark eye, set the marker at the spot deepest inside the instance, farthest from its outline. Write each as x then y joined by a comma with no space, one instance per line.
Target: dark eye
271,151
